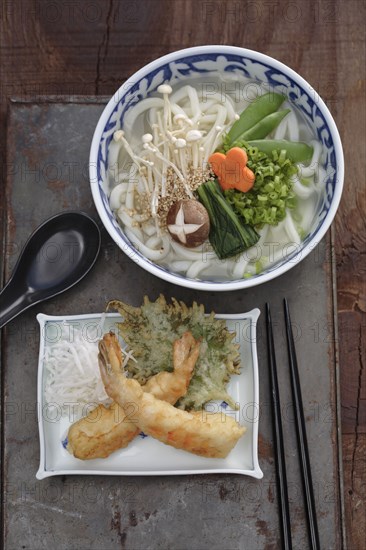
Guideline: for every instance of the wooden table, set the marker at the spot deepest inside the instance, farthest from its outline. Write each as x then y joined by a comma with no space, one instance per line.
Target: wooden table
73,47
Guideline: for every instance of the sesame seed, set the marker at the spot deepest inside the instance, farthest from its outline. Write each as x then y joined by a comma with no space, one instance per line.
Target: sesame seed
175,191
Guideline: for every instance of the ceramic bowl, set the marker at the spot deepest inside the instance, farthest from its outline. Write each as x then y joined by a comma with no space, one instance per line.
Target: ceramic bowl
181,66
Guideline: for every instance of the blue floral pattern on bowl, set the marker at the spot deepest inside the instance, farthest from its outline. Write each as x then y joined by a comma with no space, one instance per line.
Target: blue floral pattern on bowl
201,64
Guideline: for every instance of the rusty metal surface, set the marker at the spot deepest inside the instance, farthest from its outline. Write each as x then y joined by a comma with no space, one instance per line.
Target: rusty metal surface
48,151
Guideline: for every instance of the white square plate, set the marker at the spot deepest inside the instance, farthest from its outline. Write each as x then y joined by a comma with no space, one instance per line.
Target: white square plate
145,455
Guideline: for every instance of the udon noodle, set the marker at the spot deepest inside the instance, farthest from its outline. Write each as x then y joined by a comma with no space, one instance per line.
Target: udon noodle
165,143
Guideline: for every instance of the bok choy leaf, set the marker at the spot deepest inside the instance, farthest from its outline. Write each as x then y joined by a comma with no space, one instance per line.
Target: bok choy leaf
228,235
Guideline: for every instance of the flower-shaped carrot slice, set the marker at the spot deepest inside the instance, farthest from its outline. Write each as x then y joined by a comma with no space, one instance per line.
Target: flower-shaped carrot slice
231,169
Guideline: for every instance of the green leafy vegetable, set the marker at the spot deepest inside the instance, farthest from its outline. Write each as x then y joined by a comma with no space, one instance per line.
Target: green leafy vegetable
150,331
228,235
272,192
259,108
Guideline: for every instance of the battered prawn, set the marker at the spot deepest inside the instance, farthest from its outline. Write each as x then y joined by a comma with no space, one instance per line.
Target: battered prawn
210,435
104,430
101,432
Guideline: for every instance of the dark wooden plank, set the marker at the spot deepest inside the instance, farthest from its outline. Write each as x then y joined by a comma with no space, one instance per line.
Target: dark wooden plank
80,47
350,239
354,459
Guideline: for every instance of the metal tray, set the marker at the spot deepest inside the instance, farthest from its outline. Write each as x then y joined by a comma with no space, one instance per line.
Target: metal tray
47,156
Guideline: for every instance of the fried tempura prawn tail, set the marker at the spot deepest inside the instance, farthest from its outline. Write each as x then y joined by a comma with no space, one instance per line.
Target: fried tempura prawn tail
210,435
104,430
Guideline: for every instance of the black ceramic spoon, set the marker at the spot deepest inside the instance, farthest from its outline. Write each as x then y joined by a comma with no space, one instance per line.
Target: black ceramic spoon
56,256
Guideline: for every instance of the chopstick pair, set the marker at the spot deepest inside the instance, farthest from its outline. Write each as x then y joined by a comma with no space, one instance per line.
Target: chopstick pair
302,443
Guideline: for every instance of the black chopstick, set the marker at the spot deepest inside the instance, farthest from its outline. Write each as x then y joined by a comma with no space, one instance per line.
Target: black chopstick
302,441
281,477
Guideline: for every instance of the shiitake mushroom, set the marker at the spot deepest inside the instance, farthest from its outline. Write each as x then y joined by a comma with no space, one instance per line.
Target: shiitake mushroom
188,223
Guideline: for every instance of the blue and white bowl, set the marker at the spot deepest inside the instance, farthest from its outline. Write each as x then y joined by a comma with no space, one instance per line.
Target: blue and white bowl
192,63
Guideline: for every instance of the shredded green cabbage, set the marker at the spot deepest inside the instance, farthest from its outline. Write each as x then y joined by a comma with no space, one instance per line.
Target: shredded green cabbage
272,193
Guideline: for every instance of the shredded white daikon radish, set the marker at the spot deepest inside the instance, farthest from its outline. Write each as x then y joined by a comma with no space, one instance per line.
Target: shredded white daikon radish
71,365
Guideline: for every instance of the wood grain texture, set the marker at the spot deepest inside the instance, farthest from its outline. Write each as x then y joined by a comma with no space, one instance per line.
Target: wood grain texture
67,47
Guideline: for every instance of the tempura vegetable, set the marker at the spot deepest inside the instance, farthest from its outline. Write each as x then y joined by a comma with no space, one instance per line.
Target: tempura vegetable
150,331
